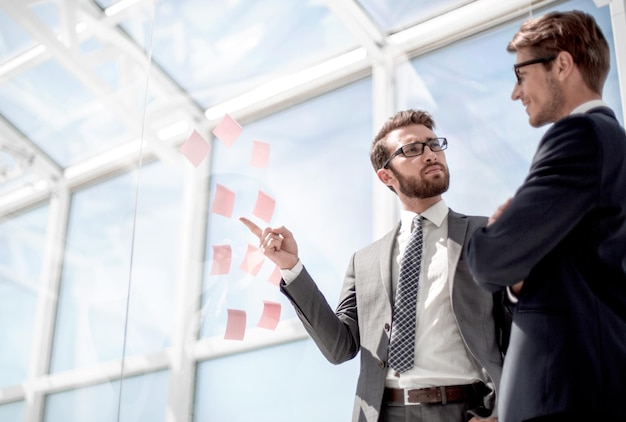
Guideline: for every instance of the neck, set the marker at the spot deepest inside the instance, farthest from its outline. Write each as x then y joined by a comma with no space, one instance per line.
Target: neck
576,92
579,101
419,205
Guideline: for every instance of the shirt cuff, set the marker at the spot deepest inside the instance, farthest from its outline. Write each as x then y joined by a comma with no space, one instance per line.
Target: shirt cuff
291,274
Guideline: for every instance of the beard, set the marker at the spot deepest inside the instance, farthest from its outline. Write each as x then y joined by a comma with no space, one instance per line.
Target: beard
549,112
418,187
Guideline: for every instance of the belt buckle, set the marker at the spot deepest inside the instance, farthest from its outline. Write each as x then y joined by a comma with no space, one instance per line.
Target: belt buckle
405,391
406,397
425,395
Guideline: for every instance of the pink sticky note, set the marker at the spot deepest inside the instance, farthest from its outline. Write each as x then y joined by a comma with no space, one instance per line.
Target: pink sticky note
271,315
227,130
264,207
224,201
260,154
195,148
236,325
275,277
221,259
253,261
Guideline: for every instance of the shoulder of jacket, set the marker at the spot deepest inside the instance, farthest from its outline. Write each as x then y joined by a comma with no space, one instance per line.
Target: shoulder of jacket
479,219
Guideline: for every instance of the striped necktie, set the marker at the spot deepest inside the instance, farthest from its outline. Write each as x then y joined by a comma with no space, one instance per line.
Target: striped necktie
402,343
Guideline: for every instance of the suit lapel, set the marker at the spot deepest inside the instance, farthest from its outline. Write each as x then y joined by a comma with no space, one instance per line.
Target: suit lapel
387,261
457,228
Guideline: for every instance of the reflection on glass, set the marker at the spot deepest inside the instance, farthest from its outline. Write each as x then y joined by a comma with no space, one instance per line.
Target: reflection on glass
104,235
22,242
142,398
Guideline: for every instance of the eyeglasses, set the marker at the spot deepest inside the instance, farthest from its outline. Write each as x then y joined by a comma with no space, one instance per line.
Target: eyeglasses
517,66
417,148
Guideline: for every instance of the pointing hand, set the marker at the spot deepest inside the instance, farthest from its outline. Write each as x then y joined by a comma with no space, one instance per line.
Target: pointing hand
277,244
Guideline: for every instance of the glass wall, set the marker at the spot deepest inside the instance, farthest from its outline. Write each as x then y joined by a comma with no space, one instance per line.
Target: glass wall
318,181
22,242
140,398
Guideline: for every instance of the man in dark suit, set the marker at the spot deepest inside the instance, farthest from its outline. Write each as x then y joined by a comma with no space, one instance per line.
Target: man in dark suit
461,331
563,234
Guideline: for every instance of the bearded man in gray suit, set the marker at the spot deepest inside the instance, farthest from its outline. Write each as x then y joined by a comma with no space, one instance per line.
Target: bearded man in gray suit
461,331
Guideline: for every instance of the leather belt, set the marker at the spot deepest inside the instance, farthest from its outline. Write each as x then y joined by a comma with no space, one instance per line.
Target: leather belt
430,395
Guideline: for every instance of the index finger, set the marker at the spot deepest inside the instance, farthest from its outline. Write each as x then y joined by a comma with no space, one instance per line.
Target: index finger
256,230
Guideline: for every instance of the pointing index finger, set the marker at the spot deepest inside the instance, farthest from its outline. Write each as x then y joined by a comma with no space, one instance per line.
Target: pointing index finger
256,230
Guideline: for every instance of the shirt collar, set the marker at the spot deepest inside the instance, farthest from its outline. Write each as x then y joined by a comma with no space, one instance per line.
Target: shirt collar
436,214
585,107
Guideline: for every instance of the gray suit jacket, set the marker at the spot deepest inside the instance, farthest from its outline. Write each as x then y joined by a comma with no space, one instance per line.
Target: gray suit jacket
362,319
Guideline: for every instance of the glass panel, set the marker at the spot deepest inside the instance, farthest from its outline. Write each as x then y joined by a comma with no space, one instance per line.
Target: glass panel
291,382
76,105
12,411
393,16
319,175
104,239
48,13
467,88
51,107
15,39
22,242
221,49
143,398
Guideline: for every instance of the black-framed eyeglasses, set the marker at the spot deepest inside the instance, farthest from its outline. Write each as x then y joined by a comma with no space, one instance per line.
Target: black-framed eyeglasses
417,148
517,66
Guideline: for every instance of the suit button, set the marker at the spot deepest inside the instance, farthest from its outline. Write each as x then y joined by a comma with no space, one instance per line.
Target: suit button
387,327
381,364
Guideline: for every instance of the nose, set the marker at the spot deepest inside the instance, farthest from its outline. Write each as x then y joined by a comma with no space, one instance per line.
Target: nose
515,95
429,154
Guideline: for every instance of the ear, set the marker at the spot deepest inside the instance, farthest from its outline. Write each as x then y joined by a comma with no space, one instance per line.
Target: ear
385,176
564,64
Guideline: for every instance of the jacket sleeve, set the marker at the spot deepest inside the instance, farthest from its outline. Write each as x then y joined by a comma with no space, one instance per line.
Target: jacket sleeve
336,333
561,187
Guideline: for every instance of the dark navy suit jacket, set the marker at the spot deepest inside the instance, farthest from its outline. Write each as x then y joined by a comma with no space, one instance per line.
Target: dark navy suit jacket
564,234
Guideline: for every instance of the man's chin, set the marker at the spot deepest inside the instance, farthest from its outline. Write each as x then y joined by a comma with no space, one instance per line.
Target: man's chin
537,122
430,192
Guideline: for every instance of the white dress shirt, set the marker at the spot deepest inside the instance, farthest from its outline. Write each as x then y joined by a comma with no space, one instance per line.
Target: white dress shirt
440,356
585,107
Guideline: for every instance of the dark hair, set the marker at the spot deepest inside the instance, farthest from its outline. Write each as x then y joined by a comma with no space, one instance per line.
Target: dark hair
378,150
575,32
